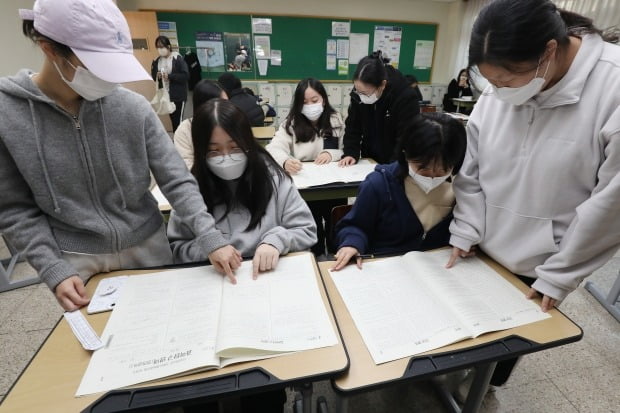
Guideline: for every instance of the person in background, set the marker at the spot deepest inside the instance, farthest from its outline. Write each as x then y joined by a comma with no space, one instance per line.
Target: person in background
169,70
380,101
312,131
204,91
413,83
540,186
76,153
254,202
457,88
247,103
406,205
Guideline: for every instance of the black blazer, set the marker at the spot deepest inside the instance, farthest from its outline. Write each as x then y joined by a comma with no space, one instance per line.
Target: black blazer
178,78
371,131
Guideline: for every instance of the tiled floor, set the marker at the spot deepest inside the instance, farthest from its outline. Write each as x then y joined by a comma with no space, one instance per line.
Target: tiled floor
579,377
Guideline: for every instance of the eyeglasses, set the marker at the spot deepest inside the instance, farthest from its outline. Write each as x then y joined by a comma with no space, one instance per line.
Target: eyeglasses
235,154
358,93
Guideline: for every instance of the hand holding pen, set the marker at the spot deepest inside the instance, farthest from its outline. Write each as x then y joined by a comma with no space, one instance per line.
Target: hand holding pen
345,255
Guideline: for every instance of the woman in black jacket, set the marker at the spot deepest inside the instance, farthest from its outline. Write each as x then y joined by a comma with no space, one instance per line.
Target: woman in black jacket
457,88
380,102
170,71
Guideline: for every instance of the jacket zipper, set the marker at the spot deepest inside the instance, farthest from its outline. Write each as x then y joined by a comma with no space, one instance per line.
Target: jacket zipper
116,238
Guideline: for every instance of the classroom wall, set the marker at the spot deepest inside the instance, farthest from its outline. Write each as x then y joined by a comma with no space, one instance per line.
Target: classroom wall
446,14
19,51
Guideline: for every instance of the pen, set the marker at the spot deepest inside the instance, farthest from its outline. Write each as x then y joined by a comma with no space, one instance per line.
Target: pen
364,256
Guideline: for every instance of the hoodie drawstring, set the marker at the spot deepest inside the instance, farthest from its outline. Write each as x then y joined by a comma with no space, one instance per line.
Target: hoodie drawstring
109,157
46,174
387,184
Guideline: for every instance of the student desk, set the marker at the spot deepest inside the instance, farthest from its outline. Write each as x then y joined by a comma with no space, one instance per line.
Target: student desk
466,103
51,379
336,190
481,353
611,301
263,134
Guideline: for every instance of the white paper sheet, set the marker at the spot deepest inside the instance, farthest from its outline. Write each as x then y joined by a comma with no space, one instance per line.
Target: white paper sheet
312,174
406,305
171,322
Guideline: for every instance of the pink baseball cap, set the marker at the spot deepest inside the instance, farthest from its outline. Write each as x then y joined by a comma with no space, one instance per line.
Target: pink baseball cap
95,30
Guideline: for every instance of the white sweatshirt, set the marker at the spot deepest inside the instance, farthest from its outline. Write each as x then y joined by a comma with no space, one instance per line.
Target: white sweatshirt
539,189
284,146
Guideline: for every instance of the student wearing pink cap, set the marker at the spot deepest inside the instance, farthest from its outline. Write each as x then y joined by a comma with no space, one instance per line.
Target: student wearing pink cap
77,151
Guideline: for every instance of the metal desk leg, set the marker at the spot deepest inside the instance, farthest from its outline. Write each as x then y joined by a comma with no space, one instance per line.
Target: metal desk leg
5,275
479,387
306,398
343,404
476,393
610,303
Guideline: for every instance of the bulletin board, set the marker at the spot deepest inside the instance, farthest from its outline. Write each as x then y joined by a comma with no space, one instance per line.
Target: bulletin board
302,41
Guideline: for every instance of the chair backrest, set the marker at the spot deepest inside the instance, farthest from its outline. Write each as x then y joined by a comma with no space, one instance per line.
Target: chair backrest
338,212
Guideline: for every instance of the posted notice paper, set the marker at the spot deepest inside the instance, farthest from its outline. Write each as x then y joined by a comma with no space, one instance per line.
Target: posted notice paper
187,320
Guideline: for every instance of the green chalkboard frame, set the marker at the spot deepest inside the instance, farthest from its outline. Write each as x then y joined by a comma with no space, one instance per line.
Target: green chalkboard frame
302,40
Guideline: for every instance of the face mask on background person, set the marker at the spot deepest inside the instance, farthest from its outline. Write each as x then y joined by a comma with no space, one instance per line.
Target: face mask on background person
87,85
313,111
163,51
369,100
228,167
426,183
520,95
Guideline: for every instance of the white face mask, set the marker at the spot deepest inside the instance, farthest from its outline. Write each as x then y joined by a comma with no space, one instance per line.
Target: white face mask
87,85
520,95
313,111
426,183
227,168
163,51
369,100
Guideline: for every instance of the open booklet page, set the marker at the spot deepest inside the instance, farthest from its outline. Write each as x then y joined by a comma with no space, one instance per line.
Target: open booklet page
407,305
174,322
312,174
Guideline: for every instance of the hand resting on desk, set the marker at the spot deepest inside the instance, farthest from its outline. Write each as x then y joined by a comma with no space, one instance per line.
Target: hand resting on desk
344,255
346,161
71,293
265,258
323,158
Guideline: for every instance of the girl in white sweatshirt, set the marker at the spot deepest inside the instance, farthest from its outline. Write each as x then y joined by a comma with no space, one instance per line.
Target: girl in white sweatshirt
312,131
539,189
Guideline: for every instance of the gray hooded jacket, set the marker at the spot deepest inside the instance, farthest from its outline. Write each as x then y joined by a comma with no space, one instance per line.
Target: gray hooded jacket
82,184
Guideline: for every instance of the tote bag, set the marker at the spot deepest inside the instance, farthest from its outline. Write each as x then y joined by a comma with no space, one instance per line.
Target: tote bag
161,102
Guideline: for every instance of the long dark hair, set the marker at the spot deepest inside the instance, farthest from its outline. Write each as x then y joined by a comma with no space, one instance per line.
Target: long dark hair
302,127
431,138
372,69
508,32
256,185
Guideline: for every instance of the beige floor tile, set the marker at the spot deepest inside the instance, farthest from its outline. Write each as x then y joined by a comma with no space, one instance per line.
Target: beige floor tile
592,390
11,300
15,352
536,396
39,311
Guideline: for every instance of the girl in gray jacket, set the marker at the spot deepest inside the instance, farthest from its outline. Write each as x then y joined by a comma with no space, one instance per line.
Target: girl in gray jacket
254,202
77,152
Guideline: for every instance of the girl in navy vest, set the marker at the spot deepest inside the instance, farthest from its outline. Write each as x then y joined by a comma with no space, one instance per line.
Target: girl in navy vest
406,205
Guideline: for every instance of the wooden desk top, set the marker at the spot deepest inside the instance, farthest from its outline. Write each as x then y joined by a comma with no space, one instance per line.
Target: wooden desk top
263,132
51,379
363,373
